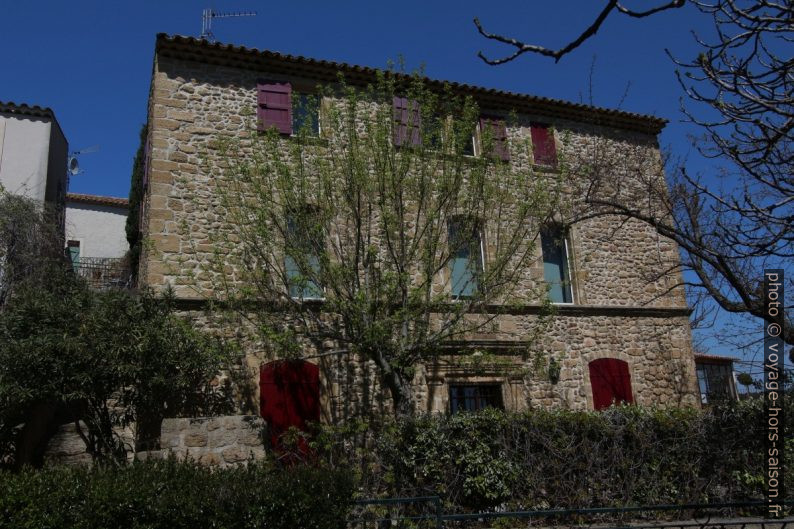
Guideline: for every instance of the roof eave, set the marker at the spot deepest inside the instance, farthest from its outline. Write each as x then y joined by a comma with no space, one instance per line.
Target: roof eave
199,50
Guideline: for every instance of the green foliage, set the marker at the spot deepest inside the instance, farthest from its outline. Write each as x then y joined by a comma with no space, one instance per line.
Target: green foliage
104,358
371,228
174,495
624,456
135,199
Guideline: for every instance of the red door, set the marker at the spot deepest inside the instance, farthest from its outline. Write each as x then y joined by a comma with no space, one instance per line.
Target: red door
611,382
289,396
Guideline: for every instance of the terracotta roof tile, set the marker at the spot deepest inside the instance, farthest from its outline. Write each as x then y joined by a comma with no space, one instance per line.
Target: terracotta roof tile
97,200
201,50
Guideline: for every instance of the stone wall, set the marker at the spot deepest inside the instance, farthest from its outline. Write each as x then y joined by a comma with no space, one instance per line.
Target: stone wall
623,306
211,441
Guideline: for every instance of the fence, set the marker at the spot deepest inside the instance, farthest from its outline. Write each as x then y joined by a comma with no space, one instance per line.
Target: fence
103,272
427,512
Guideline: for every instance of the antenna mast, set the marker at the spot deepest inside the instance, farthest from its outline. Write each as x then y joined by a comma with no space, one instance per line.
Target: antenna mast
206,21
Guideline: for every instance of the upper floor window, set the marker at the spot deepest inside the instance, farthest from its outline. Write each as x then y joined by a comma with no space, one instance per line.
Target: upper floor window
288,112
466,256
493,137
407,122
305,114
305,245
474,397
556,273
73,253
544,150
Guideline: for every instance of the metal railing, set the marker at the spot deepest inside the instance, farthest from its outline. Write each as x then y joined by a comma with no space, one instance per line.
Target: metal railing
391,513
103,272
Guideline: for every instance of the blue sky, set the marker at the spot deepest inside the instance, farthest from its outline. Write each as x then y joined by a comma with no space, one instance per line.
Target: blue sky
91,61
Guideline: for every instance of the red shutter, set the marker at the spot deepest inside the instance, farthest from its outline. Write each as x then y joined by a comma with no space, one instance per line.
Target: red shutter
498,133
289,396
543,146
611,382
407,121
274,106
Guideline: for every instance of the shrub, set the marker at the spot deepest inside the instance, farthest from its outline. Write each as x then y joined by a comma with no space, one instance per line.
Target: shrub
175,495
623,456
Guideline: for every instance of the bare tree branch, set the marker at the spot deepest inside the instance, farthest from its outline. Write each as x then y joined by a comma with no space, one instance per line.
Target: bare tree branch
522,47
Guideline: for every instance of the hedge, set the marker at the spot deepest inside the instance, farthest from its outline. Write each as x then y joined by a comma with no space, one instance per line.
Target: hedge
624,456
175,495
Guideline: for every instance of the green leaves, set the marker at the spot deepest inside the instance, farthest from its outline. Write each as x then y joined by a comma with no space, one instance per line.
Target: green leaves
175,495
105,358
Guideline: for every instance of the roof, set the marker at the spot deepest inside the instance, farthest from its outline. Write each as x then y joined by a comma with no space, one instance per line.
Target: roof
97,200
26,110
714,358
201,50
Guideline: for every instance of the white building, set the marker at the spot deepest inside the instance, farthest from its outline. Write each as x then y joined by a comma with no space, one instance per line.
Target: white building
95,225
33,153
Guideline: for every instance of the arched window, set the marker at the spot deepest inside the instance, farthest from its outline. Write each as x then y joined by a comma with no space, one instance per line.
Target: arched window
289,396
611,382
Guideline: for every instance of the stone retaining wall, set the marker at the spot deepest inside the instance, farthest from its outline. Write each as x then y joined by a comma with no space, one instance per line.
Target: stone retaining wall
211,441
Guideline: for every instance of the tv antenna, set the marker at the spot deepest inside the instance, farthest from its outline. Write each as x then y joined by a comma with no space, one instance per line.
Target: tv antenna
72,165
206,21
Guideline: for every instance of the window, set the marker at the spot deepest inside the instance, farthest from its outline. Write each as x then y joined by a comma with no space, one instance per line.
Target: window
544,149
466,256
495,132
611,382
73,253
475,397
407,122
554,245
715,381
274,106
304,247
305,114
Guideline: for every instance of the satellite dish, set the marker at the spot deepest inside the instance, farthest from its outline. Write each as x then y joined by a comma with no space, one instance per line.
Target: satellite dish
73,166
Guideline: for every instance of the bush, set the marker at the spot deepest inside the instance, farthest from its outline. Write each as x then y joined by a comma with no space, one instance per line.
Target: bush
539,459
175,495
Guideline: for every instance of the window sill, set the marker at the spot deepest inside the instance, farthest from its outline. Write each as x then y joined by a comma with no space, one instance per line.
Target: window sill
546,168
308,140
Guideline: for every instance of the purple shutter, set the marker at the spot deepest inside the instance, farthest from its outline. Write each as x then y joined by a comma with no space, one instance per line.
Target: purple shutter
544,149
274,106
407,121
498,130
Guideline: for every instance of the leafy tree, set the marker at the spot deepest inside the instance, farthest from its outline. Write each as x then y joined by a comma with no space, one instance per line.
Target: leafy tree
368,238
739,220
102,360
135,200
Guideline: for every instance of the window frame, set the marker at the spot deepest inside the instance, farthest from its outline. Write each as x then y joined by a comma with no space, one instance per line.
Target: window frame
301,95
289,283
455,404
567,260
481,269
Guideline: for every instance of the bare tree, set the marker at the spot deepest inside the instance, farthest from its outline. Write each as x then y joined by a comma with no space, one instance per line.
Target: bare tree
30,242
736,222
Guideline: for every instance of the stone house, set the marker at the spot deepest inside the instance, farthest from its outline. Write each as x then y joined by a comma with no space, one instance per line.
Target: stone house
621,329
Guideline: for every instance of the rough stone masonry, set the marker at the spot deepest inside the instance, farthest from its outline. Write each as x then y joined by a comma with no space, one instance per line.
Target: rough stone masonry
623,308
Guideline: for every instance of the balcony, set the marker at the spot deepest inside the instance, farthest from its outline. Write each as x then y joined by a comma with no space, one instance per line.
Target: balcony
103,273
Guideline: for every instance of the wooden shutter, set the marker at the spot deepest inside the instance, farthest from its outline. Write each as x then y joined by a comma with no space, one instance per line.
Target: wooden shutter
544,149
407,122
498,131
289,396
611,382
274,106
